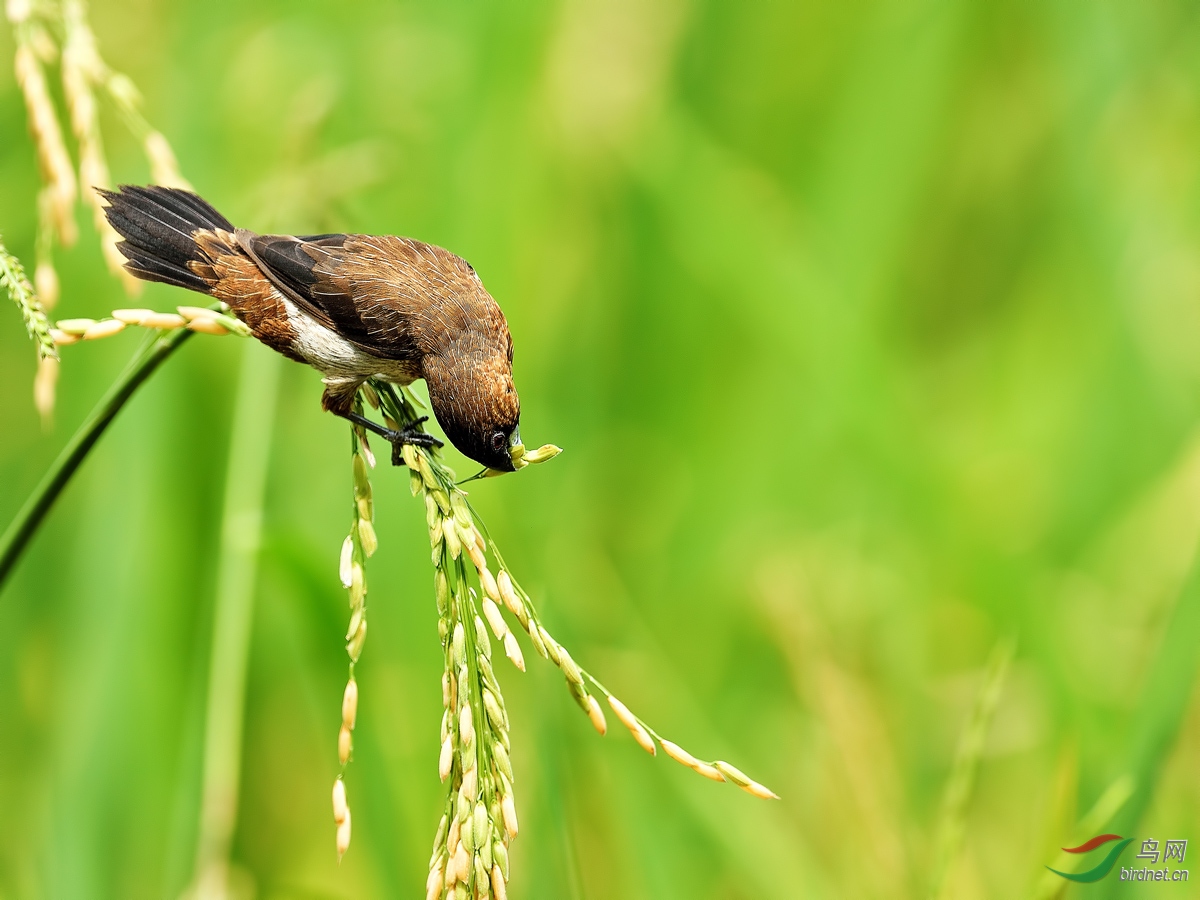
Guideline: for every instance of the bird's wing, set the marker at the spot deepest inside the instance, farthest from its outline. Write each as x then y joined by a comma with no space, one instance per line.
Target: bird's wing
381,293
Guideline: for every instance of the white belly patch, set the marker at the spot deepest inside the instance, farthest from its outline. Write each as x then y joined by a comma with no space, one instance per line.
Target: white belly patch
337,358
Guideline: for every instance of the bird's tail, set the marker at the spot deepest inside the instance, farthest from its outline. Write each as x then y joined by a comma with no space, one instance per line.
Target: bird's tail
159,227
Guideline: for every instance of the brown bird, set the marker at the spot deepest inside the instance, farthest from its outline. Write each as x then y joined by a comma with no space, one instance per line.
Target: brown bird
352,306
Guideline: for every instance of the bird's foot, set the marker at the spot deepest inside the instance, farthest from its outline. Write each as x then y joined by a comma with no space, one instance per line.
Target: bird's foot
409,434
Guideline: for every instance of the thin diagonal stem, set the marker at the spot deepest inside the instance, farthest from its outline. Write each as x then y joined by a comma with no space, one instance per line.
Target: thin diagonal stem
26,522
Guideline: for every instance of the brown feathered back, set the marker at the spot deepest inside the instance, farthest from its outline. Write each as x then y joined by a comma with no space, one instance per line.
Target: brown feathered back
354,306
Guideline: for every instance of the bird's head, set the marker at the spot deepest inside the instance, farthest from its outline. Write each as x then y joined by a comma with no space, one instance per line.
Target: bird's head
472,394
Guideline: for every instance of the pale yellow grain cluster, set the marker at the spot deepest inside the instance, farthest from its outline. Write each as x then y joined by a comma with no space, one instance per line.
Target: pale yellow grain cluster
14,281
473,587
503,588
360,544
201,319
522,458
474,757
479,822
45,33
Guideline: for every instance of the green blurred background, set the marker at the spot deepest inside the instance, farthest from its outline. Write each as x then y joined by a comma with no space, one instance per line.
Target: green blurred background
872,332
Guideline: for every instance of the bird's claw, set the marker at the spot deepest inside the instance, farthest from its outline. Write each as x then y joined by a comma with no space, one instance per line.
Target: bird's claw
410,434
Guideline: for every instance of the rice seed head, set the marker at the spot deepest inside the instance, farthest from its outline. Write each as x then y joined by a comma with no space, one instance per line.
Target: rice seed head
542,454
358,584
568,665
485,847
553,652
732,773
458,505
345,745
466,728
345,561
630,721
499,891
678,754
503,763
355,645
500,854
508,811
539,645
431,483
43,386
164,169
57,171
459,645
362,481
462,864
482,641
365,447
596,714
75,327
760,790
470,785
435,881
492,612
343,836
356,618
366,535
207,325
441,590
478,559
513,651
708,771
494,712
132,316
450,535
481,879
509,595
340,809
439,839
466,833
481,826
488,582
102,329
446,759
163,321
45,280
350,704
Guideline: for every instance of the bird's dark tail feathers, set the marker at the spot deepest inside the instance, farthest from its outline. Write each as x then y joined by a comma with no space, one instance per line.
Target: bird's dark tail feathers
159,225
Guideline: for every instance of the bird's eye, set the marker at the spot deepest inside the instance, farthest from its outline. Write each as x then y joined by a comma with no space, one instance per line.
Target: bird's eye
499,439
